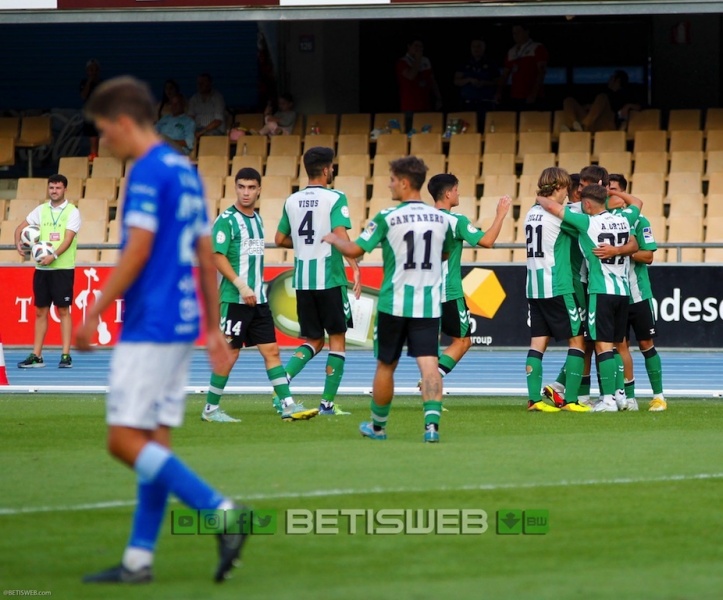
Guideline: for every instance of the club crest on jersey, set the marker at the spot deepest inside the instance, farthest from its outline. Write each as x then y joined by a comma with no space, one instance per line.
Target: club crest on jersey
345,211
220,237
648,235
471,228
369,230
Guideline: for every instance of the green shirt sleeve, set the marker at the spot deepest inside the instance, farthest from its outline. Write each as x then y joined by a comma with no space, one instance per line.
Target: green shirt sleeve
375,231
631,213
466,231
222,234
340,213
644,234
284,226
577,221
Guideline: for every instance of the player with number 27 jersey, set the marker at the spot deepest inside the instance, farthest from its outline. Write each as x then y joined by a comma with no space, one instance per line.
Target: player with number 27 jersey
308,216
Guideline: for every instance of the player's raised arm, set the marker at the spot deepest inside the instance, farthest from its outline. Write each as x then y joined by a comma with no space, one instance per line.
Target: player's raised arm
345,246
608,251
490,237
342,234
629,199
551,206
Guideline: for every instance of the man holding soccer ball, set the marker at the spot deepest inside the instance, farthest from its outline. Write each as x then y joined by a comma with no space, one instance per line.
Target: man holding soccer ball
59,222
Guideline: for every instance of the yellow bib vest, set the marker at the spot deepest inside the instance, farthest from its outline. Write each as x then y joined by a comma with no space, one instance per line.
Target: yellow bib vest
52,229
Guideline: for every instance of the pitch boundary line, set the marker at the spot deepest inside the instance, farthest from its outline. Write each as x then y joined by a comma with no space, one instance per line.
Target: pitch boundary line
379,490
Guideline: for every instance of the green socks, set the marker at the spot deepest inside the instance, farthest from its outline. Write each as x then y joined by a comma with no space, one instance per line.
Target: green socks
630,389
446,364
562,377
608,373
279,381
334,372
380,414
574,366
432,412
655,370
215,390
534,375
297,362
620,374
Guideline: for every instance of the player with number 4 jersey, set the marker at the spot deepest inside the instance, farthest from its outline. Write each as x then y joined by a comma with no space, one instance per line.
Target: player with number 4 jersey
322,301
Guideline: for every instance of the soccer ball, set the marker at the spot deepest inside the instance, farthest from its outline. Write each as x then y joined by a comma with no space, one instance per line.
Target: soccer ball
29,236
41,250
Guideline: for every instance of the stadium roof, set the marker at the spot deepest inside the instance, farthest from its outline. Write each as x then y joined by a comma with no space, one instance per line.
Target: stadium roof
95,11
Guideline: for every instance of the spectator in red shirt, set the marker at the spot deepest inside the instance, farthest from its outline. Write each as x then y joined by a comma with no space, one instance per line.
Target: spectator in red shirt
418,90
525,66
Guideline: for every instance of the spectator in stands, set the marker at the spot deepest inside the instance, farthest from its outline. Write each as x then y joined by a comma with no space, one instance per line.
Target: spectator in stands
478,80
177,128
524,67
170,89
59,223
418,89
610,110
87,85
282,121
208,108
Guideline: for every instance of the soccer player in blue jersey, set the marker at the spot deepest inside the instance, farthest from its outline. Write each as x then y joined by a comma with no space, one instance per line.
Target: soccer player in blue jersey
164,230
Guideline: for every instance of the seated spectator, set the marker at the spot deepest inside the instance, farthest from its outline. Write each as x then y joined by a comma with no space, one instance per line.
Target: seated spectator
207,108
609,111
177,128
282,121
170,89
418,89
477,81
525,67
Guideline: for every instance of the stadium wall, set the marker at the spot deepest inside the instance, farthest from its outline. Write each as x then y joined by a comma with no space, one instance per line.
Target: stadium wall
689,305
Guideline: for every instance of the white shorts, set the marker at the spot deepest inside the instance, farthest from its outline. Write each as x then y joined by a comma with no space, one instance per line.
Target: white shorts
147,384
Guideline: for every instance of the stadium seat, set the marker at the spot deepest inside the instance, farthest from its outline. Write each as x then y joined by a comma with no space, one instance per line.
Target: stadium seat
467,185
101,188
528,186
684,120
286,165
519,255
469,117
353,143
74,190
469,143
357,208
507,235
274,256
652,204
574,141
526,203
18,209
325,140
682,205
685,141
91,232
684,183
685,229
715,183
467,207
94,209
213,145
433,120
436,163
500,185
253,121
380,186
714,233
650,162
608,141
644,120
573,162
7,151
270,208
354,164
714,203
255,145
327,124
32,188
213,166
229,190
535,121
7,236
713,120
650,141
660,233
425,143
714,164
382,120
500,121
276,186
497,164
271,225
249,161
35,132
464,164
686,161
107,166
381,164
535,162
536,142
377,204
488,207
468,256
303,180
355,123
500,143
616,162
10,127
352,185
74,166
398,145
213,187
648,183
285,145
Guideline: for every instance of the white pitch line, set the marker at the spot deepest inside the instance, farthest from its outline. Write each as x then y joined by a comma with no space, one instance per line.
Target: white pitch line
484,487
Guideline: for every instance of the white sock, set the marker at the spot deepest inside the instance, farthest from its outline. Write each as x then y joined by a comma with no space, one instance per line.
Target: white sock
287,402
134,559
210,408
226,504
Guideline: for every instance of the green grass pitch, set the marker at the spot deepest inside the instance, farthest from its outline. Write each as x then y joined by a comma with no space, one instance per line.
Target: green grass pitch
634,501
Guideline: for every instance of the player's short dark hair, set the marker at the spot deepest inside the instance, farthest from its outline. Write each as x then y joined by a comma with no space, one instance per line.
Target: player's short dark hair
58,178
248,173
316,158
575,179
410,168
440,184
595,174
622,77
596,193
551,180
122,96
622,182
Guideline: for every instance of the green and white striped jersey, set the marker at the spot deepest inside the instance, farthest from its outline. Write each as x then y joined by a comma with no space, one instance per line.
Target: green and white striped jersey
577,261
413,236
463,231
638,276
610,275
240,238
308,216
549,273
